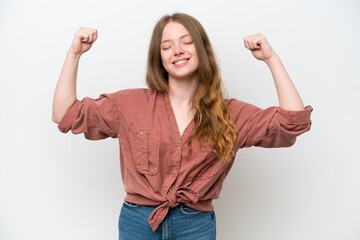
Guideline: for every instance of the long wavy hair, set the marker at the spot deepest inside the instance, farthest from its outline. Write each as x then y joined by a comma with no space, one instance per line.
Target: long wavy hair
213,119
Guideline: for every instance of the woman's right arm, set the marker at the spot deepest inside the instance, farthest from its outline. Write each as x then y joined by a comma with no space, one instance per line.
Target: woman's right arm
65,92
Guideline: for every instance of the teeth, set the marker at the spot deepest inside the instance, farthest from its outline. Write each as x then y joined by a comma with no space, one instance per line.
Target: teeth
180,62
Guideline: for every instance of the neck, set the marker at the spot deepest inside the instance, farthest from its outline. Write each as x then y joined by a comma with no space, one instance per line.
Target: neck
182,90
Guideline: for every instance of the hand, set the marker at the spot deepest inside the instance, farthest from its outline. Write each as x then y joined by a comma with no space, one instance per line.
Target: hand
83,40
259,47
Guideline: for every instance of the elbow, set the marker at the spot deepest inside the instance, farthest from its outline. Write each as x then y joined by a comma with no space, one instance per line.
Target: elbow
59,112
55,119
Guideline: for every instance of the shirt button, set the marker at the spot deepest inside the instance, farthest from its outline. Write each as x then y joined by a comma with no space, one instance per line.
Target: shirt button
172,172
141,133
178,148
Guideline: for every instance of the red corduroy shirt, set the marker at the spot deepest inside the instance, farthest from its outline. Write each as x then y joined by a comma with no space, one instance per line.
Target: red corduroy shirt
155,167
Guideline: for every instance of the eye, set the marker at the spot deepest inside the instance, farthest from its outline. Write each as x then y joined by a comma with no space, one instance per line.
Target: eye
165,48
188,42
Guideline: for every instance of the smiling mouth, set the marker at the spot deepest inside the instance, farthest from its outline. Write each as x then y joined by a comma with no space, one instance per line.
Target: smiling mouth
179,62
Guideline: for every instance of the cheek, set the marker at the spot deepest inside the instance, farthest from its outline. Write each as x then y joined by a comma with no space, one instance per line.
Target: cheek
194,54
165,62
197,63
164,59
196,58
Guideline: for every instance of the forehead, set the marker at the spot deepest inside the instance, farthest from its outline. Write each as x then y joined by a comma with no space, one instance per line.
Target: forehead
173,30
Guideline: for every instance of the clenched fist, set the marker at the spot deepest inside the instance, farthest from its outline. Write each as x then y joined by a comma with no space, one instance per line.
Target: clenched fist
83,40
259,47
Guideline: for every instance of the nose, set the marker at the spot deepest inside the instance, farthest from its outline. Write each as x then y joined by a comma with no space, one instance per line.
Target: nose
178,50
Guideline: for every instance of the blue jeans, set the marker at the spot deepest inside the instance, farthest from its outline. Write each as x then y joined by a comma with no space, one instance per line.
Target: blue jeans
180,223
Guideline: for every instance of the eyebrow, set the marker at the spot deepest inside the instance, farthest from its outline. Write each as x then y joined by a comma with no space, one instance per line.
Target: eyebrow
168,40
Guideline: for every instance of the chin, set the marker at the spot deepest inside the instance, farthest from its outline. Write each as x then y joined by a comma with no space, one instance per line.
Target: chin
183,76
187,75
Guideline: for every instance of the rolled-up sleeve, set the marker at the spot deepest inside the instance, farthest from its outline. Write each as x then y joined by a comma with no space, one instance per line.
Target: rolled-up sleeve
96,118
271,127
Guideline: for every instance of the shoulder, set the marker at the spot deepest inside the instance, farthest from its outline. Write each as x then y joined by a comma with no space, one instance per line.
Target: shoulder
236,105
139,95
135,92
242,111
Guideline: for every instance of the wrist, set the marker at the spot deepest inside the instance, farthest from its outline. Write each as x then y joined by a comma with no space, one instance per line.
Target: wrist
73,55
272,59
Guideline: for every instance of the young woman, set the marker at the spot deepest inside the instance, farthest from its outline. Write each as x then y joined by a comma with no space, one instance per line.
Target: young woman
179,137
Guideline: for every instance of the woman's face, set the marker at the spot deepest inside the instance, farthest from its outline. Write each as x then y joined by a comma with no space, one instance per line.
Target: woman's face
178,52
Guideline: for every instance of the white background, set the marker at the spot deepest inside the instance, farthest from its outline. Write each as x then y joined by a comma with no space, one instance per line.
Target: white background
62,186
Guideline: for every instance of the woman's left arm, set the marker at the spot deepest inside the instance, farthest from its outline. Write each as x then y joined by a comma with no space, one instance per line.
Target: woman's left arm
289,98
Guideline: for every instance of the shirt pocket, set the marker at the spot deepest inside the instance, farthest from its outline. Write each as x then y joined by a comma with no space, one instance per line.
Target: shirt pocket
206,168
146,147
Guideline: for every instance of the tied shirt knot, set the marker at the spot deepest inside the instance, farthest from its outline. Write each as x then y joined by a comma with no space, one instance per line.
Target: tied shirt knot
173,199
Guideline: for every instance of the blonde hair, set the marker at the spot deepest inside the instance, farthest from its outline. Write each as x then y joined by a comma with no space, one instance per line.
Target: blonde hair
213,124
